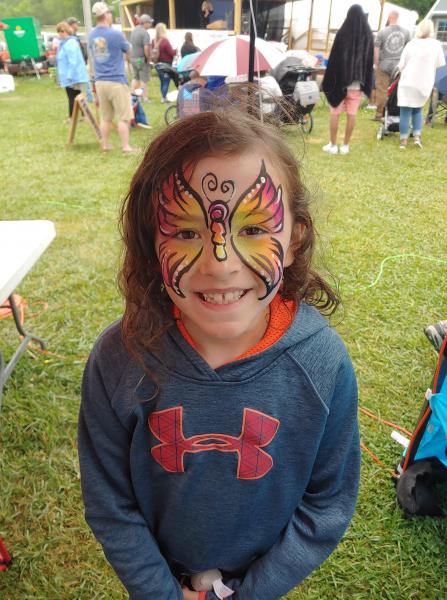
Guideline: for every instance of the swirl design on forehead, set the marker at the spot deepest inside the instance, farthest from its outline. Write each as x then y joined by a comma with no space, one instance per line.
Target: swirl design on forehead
210,185
218,210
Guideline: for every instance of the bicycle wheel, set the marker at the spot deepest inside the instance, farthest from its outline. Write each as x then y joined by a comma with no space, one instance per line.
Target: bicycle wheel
307,123
171,114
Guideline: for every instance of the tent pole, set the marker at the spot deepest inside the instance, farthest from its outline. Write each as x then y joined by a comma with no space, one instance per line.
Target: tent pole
171,14
87,16
328,27
237,16
290,40
309,31
382,3
251,55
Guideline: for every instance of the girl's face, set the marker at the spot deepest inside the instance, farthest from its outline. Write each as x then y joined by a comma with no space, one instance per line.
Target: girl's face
223,239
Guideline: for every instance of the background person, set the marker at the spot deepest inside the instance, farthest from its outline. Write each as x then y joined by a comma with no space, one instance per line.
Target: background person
140,117
74,24
193,97
349,72
218,421
141,54
388,46
188,45
418,63
108,48
165,54
71,70
3,60
206,10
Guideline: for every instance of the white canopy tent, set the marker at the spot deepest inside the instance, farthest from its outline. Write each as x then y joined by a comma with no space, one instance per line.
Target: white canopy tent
314,22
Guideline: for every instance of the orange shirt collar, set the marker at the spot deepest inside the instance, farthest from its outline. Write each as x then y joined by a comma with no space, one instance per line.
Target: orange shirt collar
282,313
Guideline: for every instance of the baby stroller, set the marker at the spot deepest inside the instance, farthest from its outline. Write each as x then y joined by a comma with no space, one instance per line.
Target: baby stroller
192,99
299,103
392,113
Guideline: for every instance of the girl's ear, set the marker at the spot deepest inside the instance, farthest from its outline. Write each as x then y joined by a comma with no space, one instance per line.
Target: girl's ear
295,239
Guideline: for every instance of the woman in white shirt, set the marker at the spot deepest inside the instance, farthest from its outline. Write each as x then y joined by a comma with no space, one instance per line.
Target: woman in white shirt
418,63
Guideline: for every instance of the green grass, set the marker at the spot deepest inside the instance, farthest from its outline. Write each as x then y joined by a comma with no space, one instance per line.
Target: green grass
371,204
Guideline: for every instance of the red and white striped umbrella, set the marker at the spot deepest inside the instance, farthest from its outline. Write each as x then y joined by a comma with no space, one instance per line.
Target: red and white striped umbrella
230,57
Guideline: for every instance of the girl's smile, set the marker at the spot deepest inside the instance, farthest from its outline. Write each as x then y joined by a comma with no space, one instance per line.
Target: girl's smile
222,297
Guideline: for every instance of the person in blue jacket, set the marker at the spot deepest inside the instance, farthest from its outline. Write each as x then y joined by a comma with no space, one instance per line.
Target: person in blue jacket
71,69
218,436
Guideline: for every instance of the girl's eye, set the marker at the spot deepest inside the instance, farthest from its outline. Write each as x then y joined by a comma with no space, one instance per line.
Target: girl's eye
249,231
187,234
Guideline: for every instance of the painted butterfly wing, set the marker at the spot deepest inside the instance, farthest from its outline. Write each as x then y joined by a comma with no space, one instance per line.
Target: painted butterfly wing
179,208
260,206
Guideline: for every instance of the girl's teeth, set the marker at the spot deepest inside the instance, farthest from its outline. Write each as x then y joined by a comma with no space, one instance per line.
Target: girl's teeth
225,298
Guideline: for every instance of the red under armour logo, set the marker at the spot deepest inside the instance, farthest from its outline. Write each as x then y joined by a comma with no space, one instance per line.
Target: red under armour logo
258,430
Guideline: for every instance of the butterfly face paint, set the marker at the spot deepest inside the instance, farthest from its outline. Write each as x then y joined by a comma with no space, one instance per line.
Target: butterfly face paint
180,212
260,209
251,224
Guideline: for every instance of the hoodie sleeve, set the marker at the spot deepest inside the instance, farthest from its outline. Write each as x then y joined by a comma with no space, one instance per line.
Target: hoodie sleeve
325,511
110,505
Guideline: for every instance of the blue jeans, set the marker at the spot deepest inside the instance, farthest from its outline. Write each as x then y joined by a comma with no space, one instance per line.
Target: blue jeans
407,113
165,78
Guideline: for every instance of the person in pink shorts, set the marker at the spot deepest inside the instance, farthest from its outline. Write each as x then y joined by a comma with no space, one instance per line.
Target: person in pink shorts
348,75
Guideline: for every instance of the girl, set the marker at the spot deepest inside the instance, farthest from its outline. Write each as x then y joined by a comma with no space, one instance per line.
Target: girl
349,72
218,419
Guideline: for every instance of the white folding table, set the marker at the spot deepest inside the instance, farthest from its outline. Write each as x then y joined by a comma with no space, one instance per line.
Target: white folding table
21,245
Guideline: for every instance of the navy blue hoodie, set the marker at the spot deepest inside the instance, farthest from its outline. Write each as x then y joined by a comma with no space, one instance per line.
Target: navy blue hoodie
251,468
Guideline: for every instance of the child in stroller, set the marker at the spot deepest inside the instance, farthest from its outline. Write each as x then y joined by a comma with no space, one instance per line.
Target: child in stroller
140,118
193,97
288,74
390,122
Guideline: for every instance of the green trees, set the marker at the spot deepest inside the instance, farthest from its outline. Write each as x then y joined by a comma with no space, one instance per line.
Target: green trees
49,12
420,6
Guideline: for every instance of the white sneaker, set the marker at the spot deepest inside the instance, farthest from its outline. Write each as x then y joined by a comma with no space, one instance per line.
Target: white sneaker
330,148
344,149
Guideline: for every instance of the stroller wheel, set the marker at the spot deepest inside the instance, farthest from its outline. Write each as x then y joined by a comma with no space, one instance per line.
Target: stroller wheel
306,122
171,114
381,133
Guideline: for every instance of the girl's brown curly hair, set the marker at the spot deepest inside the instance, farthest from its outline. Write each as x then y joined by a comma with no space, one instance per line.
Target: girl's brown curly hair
148,308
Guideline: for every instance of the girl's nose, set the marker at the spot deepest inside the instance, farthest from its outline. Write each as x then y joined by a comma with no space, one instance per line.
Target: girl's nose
219,260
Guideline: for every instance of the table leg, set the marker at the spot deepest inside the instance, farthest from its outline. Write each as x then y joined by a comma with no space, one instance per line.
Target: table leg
2,368
5,371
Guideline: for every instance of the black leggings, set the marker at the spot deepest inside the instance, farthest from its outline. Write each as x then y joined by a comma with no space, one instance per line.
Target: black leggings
71,93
